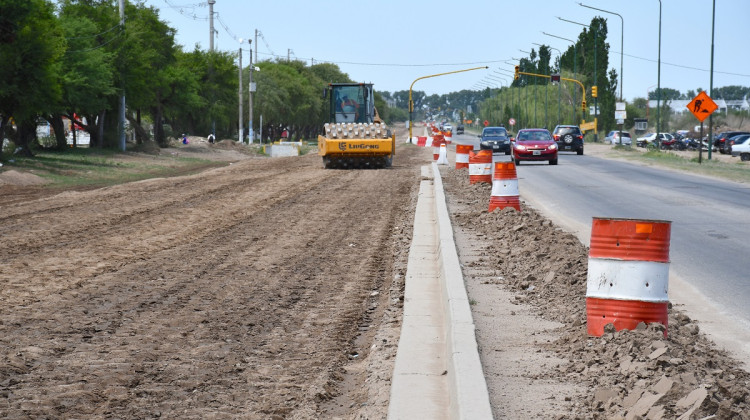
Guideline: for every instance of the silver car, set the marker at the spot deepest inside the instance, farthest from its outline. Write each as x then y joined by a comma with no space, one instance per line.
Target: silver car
614,138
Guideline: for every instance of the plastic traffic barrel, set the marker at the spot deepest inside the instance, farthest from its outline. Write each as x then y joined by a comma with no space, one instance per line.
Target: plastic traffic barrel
504,187
480,167
462,155
628,274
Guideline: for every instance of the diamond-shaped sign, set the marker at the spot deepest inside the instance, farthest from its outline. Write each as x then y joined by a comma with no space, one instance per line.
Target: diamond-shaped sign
702,106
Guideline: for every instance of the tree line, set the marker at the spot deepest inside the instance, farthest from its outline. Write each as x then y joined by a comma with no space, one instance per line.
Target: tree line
74,59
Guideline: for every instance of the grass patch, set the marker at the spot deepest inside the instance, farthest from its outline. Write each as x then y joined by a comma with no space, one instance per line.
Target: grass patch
688,162
85,167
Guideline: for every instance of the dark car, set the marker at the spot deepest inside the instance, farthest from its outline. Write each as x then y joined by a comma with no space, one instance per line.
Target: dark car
721,140
460,129
726,146
569,138
495,139
534,144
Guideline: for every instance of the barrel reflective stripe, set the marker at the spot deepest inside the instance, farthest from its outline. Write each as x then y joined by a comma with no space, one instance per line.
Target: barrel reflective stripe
428,142
479,169
463,158
628,273
646,281
504,187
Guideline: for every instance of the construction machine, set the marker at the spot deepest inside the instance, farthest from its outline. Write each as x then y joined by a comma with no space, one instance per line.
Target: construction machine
355,137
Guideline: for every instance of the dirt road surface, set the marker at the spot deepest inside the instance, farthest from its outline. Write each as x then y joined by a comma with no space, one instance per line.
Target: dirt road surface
272,289
242,292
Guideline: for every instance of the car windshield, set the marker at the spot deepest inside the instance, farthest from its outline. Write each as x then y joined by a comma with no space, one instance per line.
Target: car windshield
533,136
494,132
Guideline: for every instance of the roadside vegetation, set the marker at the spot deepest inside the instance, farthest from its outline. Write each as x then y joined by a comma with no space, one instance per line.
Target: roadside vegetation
734,170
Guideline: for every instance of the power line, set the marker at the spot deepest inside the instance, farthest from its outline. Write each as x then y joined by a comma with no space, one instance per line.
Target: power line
95,35
682,66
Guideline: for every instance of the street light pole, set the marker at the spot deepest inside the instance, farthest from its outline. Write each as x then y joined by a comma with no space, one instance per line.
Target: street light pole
622,38
658,83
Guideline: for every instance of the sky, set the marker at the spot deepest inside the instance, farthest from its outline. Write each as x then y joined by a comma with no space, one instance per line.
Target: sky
392,43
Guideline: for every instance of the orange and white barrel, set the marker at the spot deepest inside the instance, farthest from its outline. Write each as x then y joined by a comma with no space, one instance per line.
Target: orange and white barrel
448,136
421,141
504,187
628,274
462,155
436,142
480,167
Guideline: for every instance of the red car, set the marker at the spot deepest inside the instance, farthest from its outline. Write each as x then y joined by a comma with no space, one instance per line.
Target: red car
534,144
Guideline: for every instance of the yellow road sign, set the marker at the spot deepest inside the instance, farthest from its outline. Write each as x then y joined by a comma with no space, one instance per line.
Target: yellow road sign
702,106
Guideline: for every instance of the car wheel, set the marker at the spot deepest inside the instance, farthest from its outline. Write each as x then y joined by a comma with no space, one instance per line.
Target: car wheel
568,138
518,162
580,151
553,161
745,157
507,153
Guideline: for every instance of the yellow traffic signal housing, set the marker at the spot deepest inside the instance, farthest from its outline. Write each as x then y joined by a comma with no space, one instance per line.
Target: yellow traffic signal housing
516,75
594,92
583,105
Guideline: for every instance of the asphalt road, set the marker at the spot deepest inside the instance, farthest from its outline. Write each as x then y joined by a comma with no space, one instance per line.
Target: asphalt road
709,249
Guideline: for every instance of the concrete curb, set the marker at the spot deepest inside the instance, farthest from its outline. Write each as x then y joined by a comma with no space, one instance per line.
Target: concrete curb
469,395
437,373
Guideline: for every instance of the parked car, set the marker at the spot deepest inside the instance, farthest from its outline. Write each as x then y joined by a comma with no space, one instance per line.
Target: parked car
568,138
741,147
721,139
614,138
651,138
495,139
534,144
726,147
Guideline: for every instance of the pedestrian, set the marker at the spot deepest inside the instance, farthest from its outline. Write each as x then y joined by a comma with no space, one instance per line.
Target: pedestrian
184,139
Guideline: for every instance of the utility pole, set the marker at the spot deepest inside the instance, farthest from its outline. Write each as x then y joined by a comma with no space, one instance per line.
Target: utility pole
250,97
211,62
211,23
121,124
711,87
239,89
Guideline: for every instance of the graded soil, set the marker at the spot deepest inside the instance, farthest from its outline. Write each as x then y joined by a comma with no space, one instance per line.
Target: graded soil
273,289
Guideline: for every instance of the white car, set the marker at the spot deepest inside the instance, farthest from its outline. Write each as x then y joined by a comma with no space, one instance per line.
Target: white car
649,139
447,127
742,149
614,138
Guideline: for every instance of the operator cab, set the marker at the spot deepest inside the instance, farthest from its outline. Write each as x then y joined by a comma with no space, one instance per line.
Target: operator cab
350,102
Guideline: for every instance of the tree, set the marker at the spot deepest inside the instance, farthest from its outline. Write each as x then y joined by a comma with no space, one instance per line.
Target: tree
87,70
667,94
31,44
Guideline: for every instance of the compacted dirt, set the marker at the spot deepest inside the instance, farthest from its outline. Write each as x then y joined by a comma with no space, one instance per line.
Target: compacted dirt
272,288
246,291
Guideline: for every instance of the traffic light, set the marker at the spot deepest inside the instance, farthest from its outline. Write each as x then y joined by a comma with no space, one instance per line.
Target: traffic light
583,105
594,92
516,75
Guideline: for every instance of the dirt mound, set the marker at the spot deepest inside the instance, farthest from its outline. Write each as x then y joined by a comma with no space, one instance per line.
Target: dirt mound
630,374
13,177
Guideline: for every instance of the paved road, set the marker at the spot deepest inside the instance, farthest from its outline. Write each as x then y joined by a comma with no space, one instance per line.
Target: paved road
710,226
